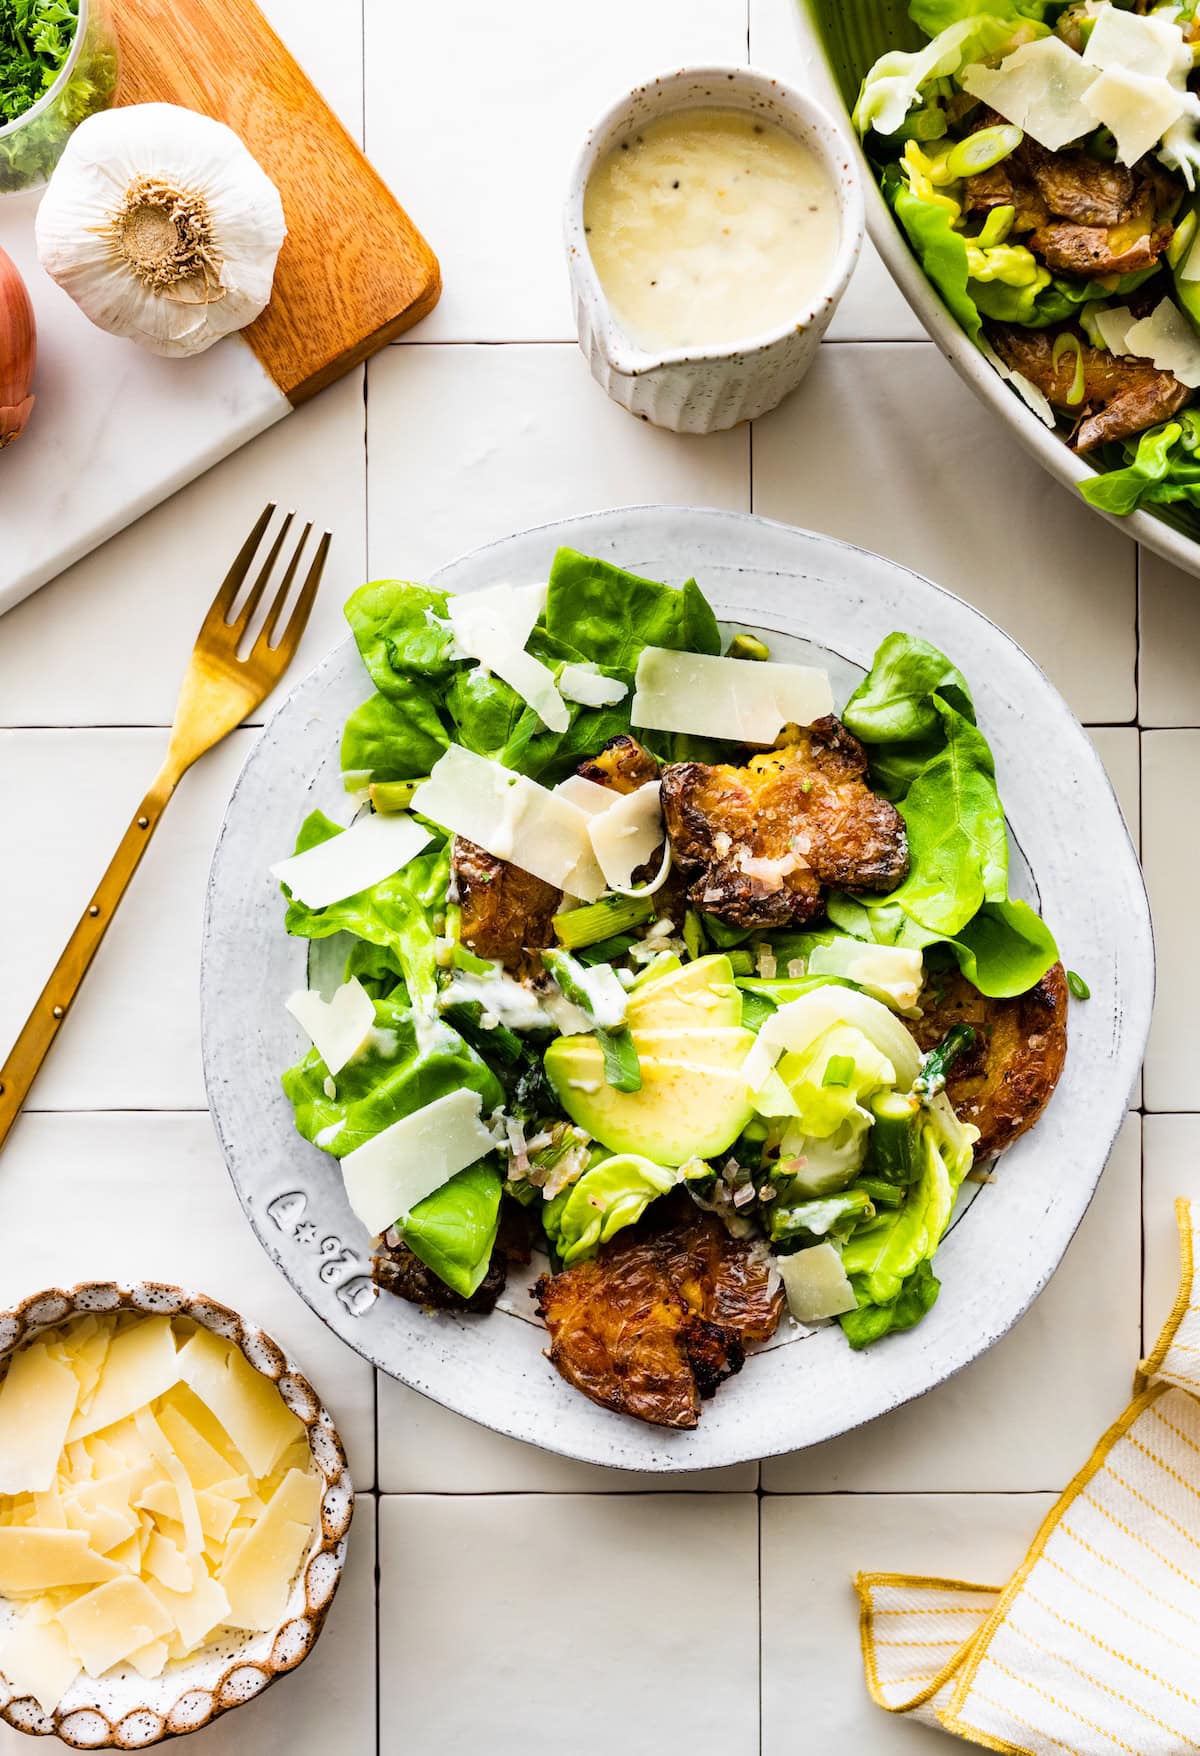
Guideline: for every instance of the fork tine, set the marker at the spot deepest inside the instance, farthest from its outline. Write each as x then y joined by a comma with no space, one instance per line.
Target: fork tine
304,603
255,595
275,610
221,605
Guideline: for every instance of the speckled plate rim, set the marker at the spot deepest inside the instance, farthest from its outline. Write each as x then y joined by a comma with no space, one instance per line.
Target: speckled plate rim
174,1706
796,586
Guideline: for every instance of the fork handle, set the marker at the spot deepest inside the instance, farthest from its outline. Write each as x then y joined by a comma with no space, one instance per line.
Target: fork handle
42,1026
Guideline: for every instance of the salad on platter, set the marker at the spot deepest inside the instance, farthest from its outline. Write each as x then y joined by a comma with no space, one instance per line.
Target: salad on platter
1041,159
632,954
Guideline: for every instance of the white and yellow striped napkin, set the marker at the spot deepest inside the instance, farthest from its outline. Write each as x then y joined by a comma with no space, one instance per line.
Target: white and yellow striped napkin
1093,1646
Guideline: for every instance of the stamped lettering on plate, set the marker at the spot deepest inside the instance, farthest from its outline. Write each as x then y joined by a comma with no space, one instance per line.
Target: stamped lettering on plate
339,1266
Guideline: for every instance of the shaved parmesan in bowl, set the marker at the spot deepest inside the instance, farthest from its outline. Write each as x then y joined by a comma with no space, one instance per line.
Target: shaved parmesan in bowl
743,700
1168,339
159,1495
1040,87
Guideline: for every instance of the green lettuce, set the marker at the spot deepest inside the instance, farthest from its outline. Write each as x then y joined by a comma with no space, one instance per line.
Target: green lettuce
1160,467
915,713
610,615
398,736
453,1230
394,915
407,1063
888,1259
933,16
941,251
612,1193
401,634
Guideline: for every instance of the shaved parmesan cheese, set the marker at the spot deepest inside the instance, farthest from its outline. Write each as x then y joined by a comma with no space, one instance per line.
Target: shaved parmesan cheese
203,1606
493,626
106,1625
337,1027
1029,393
37,1403
149,1660
370,850
589,795
585,684
625,836
888,972
1167,338
37,1661
386,1178
1137,108
39,1560
167,1564
1113,328
1151,44
513,818
142,1365
258,1574
816,1284
1041,87
203,1462
248,1406
747,702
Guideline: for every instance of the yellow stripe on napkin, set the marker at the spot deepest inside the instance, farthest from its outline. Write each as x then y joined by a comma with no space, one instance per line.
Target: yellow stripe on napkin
1092,1646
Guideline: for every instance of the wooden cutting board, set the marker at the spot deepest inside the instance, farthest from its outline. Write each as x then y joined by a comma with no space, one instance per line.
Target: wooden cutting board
354,271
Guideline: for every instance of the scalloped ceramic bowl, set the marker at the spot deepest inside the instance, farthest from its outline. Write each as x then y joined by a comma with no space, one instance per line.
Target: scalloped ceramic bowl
846,37
121,1710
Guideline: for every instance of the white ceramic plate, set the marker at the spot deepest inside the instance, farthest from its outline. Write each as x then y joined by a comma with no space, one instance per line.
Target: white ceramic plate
808,595
965,357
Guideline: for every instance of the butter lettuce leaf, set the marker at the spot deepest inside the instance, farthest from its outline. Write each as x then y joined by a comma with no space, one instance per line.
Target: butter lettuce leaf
396,914
397,627
609,615
398,736
613,1193
454,1230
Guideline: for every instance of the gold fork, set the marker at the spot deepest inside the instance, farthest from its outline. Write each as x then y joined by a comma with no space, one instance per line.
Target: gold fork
219,690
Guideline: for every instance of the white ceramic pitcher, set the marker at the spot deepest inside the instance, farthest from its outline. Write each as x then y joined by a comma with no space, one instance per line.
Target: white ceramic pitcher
702,390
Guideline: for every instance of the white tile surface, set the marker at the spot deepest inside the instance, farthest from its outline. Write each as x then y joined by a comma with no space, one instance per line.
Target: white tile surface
1172,1169
467,444
1170,849
107,642
1121,754
475,113
1169,657
132,1039
599,1623
1015,1420
146,1197
814,1696
883,446
425,1449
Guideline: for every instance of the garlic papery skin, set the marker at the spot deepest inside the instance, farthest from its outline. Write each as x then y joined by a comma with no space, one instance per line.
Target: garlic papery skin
18,352
162,227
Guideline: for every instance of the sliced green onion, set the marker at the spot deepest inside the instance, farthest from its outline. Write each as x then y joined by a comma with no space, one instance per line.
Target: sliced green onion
394,795
1078,986
1181,240
839,1070
741,963
693,933
1067,343
600,920
882,1194
980,151
606,950
747,646
622,1069
462,958
996,227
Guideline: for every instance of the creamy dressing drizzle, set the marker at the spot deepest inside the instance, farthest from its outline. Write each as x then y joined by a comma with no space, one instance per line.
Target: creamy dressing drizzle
709,226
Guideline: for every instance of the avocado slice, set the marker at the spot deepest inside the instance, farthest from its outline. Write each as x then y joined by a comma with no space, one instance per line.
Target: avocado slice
702,994
685,1109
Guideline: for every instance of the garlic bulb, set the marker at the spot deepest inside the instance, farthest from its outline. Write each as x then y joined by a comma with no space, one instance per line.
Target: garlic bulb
161,227
18,352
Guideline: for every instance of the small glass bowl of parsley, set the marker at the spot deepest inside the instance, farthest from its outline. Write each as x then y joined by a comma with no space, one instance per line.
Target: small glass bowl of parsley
58,65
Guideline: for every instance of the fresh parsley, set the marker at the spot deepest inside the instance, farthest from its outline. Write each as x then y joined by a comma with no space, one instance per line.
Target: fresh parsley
35,40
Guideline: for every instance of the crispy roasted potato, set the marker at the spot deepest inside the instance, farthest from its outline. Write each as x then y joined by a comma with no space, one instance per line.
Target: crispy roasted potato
1004,1082
623,765
506,913
662,1316
758,845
